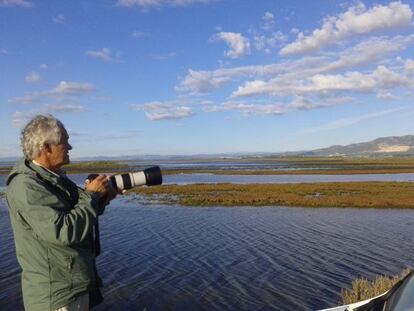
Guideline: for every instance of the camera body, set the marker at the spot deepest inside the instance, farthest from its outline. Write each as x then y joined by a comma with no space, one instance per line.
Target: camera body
150,177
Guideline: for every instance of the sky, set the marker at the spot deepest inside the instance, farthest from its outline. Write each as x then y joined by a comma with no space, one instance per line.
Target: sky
186,77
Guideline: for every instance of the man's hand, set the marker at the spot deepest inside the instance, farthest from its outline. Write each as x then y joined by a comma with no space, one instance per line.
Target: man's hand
101,185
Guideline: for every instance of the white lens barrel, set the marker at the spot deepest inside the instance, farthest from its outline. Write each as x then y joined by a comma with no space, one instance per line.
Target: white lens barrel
119,182
138,179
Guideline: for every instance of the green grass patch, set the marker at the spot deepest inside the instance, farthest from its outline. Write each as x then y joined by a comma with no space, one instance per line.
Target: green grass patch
349,194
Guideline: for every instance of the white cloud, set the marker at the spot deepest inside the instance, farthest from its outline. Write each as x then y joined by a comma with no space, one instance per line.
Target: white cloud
202,81
278,108
20,119
357,20
385,95
14,3
3,51
63,89
248,109
159,3
59,19
104,54
268,21
381,78
364,53
409,66
369,51
71,88
44,66
268,42
156,111
55,108
33,77
303,103
140,34
238,44
294,30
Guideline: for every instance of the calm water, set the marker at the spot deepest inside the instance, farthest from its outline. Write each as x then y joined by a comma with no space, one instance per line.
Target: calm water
272,258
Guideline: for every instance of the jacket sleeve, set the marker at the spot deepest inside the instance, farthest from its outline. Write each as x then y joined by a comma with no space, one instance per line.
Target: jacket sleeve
51,217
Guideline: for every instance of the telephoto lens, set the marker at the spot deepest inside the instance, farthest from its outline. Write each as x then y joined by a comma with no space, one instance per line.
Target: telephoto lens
151,176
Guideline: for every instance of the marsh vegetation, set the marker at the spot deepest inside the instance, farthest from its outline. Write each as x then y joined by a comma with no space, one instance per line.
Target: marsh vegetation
349,194
362,288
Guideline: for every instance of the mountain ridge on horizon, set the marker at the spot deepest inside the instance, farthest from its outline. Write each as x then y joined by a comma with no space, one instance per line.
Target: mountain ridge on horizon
382,146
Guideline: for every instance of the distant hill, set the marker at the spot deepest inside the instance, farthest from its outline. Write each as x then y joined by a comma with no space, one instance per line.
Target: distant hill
384,146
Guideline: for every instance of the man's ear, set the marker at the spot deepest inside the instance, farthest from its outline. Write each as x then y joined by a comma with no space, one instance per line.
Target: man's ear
46,147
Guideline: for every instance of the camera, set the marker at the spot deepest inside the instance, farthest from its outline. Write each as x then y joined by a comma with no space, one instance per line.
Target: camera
150,177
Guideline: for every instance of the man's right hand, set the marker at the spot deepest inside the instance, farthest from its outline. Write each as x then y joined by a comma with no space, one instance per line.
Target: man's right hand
100,184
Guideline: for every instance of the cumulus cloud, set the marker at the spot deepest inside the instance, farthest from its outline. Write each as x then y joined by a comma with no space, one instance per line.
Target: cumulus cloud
59,19
381,78
159,3
155,111
357,20
62,89
367,52
202,81
15,3
33,77
238,45
104,54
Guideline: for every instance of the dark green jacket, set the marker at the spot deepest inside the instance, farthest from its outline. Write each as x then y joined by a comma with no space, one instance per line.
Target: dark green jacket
52,221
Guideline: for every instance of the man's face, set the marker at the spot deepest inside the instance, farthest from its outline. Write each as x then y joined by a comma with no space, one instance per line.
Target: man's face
59,154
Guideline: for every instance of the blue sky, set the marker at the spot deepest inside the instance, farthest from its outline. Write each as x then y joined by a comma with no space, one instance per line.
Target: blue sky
136,77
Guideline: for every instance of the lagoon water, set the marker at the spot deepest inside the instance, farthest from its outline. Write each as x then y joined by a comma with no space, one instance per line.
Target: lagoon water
270,258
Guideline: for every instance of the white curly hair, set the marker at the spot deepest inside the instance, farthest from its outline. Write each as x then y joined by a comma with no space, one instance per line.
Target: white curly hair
40,130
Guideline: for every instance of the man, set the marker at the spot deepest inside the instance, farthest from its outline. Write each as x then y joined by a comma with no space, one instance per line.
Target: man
53,222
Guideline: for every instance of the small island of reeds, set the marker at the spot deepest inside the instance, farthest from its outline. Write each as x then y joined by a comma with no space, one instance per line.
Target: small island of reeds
344,194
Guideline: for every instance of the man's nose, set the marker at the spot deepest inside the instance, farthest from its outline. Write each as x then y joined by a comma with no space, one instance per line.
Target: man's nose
69,147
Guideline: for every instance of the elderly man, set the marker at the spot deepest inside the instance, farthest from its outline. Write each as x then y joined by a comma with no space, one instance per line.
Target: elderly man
54,222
